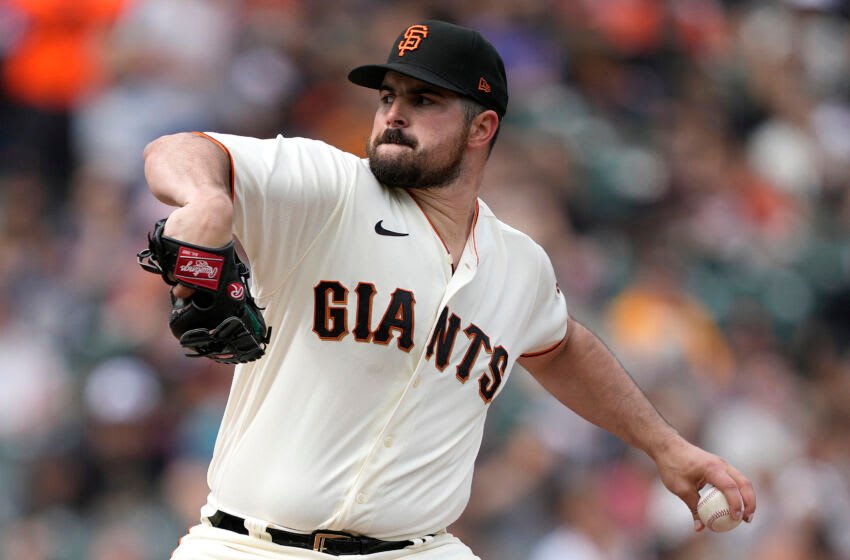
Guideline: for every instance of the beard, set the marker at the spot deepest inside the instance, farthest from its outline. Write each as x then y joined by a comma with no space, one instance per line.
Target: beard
412,169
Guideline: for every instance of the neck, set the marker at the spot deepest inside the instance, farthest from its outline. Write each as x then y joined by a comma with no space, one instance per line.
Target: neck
451,210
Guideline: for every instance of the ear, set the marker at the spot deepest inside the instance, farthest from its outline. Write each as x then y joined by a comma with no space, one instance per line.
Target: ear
482,129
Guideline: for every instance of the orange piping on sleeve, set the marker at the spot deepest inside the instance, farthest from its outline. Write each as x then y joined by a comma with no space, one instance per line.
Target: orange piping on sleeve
550,348
229,156
541,352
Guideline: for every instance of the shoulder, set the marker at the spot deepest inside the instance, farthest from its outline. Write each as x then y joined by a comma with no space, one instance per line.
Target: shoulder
519,246
312,144
284,145
327,156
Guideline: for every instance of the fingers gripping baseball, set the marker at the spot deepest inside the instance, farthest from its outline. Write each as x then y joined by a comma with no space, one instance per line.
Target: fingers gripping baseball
687,468
737,489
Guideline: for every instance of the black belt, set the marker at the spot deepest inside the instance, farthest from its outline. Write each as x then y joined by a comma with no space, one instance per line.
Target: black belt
329,542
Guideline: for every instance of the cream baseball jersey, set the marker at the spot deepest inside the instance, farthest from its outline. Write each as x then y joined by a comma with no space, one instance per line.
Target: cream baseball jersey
366,413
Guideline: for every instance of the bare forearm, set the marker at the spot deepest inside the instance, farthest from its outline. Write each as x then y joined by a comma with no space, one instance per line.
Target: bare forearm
586,377
191,172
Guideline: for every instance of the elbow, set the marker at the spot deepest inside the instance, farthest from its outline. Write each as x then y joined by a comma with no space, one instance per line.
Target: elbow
156,156
152,147
160,148
152,155
161,145
179,167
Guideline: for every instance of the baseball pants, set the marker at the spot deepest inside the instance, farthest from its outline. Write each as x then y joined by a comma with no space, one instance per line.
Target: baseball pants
209,543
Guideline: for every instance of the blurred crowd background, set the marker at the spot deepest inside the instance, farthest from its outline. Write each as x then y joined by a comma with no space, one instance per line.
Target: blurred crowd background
685,163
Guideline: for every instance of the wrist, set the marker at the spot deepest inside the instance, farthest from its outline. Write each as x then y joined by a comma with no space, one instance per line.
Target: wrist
662,442
205,220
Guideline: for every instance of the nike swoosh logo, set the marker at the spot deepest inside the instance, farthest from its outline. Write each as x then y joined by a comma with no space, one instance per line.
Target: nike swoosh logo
380,230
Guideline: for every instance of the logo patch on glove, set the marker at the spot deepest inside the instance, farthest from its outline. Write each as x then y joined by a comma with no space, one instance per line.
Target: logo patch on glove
224,324
236,291
198,268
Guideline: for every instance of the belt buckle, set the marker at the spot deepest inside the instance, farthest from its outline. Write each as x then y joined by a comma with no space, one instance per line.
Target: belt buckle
320,538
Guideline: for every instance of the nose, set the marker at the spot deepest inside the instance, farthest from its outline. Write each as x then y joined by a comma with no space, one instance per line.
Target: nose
395,116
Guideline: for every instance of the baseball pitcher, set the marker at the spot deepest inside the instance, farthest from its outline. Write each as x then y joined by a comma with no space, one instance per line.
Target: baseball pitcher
383,311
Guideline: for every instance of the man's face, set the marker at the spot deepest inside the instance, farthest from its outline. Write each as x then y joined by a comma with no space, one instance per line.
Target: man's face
419,135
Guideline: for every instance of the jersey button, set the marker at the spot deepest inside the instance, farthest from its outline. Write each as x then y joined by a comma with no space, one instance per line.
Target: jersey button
361,498
388,442
416,382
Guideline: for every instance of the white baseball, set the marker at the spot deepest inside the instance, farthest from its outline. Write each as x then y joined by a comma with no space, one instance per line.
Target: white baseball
714,510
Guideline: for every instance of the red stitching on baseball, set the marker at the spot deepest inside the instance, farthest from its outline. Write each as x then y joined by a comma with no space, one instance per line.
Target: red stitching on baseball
705,498
717,515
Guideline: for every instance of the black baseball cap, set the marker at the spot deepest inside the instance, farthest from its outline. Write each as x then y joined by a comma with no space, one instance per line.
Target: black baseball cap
456,58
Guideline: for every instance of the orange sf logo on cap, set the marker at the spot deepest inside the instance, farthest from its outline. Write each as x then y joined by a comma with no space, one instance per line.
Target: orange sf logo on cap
412,37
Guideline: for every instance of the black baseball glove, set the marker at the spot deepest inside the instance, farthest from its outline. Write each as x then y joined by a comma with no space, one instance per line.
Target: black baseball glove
220,320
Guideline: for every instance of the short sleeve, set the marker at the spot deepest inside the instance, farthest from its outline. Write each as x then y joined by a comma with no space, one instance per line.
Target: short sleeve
285,191
547,319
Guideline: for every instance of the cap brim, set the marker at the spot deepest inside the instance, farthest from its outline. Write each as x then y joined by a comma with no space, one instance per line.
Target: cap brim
372,76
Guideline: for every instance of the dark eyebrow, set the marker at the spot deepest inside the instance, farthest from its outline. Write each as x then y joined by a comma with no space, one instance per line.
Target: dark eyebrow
412,91
424,90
